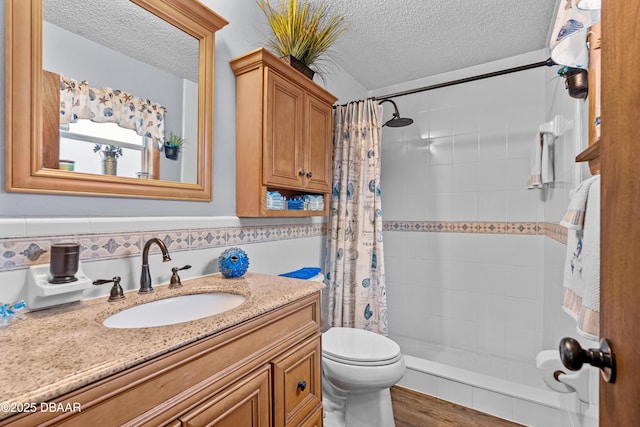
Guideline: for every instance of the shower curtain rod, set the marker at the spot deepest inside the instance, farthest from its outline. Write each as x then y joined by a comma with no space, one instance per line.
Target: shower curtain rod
549,62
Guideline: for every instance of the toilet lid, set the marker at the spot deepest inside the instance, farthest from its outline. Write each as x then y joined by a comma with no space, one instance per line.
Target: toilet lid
359,347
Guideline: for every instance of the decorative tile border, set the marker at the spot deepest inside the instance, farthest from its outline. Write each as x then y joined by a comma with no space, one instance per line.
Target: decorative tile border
554,231
23,252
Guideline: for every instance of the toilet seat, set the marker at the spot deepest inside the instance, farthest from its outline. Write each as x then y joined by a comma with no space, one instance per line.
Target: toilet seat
359,347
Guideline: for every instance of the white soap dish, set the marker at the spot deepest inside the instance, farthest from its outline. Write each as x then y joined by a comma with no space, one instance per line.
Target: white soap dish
42,294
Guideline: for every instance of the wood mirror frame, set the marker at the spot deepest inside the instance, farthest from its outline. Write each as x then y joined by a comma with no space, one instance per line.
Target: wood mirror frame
24,170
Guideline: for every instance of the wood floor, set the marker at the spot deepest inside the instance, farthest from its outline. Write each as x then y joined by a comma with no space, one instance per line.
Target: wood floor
413,409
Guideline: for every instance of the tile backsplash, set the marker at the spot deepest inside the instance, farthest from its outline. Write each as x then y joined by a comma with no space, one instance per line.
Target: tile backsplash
21,252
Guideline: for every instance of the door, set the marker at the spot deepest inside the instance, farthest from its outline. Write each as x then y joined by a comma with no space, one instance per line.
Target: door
318,146
620,245
297,390
284,115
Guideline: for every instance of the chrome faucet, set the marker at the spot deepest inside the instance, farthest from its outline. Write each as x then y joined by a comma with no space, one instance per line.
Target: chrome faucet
145,277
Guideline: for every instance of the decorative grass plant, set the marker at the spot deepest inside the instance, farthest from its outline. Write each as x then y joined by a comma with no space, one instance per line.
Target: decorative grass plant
302,30
174,141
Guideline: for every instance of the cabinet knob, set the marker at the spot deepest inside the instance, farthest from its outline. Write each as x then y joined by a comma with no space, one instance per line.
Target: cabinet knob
301,173
309,174
302,385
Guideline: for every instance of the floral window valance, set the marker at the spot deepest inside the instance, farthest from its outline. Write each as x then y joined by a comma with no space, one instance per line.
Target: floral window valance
80,101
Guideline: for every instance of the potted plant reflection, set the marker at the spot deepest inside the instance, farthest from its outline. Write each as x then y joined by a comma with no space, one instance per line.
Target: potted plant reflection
109,154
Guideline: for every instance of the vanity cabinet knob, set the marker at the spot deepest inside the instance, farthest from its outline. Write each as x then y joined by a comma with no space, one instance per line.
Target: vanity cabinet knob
309,174
302,385
302,172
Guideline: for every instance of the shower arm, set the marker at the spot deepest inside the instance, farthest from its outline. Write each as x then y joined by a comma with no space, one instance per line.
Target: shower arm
395,107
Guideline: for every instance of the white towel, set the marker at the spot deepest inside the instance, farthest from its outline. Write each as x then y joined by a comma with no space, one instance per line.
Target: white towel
574,218
589,317
546,163
582,268
541,162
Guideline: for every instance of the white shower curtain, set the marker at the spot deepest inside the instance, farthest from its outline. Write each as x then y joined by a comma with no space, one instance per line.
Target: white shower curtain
354,264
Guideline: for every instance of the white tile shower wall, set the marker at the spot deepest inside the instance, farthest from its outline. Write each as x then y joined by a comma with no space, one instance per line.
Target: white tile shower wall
556,323
479,136
479,292
466,160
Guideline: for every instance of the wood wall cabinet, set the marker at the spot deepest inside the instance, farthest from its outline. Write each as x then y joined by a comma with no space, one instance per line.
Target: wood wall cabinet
592,153
260,373
283,134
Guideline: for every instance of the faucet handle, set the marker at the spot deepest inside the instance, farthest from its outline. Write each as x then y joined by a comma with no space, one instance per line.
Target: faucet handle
175,279
116,290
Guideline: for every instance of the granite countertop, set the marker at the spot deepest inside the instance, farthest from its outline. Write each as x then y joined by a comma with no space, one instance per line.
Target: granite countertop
61,349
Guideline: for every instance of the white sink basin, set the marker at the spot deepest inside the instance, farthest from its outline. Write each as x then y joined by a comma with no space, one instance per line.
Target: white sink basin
173,310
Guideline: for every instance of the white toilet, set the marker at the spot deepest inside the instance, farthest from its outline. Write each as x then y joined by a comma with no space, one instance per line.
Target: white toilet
358,368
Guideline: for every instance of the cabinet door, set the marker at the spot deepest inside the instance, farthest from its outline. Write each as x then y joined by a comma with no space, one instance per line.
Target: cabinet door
318,146
296,383
282,144
245,403
315,419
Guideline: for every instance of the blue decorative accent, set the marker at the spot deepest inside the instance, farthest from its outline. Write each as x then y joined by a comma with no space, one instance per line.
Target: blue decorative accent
303,273
372,185
366,283
371,154
350,191
367,312
233,262
374,261
336,191
33,252
111,246
571,26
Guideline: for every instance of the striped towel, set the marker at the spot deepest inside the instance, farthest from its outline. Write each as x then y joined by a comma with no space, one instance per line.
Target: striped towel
541,162
582,269
574,218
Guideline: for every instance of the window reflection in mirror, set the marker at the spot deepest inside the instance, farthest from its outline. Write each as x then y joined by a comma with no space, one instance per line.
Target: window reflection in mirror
84,142
118,45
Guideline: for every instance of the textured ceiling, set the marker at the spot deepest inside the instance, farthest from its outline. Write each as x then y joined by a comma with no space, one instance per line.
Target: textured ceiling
387,42
122,26
394,41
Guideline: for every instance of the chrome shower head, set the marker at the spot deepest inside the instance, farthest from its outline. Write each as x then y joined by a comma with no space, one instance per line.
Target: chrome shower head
396,121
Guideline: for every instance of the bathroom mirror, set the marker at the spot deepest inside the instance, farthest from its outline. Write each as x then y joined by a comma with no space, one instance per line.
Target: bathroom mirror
33,141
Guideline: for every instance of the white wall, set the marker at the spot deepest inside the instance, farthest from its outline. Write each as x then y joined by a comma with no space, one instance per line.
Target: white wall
568,175
466,159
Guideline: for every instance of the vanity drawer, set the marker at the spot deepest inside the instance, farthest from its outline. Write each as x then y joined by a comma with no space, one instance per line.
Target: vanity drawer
245,403
297,383
315,419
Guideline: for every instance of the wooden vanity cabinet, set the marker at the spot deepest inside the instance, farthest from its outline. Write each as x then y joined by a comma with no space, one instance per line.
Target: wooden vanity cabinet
244,403
283,134
297,383
249,375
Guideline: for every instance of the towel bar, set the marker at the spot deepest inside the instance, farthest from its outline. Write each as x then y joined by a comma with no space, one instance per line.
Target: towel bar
555,127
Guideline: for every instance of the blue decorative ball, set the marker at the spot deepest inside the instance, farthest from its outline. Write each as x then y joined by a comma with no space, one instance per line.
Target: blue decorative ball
233,262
